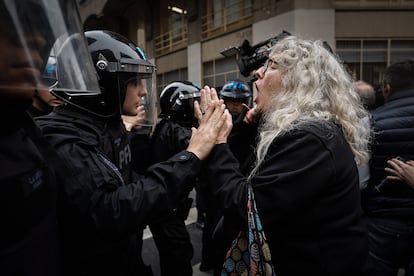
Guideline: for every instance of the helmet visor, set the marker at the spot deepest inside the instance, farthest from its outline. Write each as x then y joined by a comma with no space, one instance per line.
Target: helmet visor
75,74
149,101
30,29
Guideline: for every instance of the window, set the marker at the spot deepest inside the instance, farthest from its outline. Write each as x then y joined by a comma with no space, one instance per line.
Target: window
165,78
367,59
173,27
223,15
220,71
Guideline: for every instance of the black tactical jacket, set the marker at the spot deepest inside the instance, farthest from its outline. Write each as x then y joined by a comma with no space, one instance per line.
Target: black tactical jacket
103,204
29,243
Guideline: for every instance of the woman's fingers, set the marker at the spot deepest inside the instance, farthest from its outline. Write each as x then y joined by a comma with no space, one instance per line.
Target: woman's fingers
205,98
208,96
208,93
205,136
225,128
197,111
214,95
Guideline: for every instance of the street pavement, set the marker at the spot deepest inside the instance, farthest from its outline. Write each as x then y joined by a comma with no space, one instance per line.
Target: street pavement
150,253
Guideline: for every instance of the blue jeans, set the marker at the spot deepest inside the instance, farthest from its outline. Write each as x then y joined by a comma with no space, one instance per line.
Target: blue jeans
391,244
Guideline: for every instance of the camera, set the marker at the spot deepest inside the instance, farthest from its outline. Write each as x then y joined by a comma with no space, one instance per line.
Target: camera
251,58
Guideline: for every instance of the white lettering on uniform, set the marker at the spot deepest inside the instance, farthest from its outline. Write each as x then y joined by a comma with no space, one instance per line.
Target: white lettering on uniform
125,156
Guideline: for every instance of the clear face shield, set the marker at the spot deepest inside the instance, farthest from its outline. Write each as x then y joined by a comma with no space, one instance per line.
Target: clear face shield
33,33
149,101
145,78
75,73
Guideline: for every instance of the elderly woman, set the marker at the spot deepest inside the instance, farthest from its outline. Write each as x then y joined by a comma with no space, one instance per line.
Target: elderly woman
305,177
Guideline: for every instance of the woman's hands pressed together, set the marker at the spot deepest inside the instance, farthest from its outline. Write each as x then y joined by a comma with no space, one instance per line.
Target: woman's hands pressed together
215,123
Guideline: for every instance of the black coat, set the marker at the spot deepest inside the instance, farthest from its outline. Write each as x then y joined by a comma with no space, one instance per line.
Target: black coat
29,243
103,205
393,126
307,195
168,139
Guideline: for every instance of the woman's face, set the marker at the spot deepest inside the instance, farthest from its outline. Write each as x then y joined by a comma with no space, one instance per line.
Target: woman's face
269,79
135,90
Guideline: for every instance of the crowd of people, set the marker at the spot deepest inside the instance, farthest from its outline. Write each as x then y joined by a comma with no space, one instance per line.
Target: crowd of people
331,168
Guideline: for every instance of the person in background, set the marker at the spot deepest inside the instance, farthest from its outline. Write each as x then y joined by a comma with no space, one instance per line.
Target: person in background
305,178
379,97
401,170
217,234
43,102
172,135
30,169
367,96
237,97
366,93
390,203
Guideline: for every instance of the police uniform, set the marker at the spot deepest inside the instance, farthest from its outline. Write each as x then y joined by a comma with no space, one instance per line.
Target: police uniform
104,205
170,234
29,242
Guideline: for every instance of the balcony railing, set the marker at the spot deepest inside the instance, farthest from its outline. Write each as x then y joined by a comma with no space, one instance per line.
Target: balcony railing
172,40
222,20
237,15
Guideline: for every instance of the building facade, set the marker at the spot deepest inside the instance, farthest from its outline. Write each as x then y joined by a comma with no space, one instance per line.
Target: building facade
186,38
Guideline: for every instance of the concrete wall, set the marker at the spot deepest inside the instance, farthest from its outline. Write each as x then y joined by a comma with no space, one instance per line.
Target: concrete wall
374,24
211,49
194,63
173,61
310,24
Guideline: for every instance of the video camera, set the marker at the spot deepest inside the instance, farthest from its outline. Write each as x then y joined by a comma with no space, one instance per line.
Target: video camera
253,57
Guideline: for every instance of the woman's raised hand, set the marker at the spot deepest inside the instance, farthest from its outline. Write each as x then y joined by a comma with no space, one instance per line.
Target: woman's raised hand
215,123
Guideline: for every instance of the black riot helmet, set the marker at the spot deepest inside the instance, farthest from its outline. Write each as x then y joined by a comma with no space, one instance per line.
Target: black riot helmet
236,90
177,102
28,30
117,61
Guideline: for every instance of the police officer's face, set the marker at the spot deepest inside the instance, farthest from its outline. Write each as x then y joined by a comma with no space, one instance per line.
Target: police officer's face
234,106
20,69
47,97
134,92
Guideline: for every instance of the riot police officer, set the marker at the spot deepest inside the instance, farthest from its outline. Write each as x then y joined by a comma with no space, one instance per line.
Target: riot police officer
172,134
104,203
237,97
29,243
